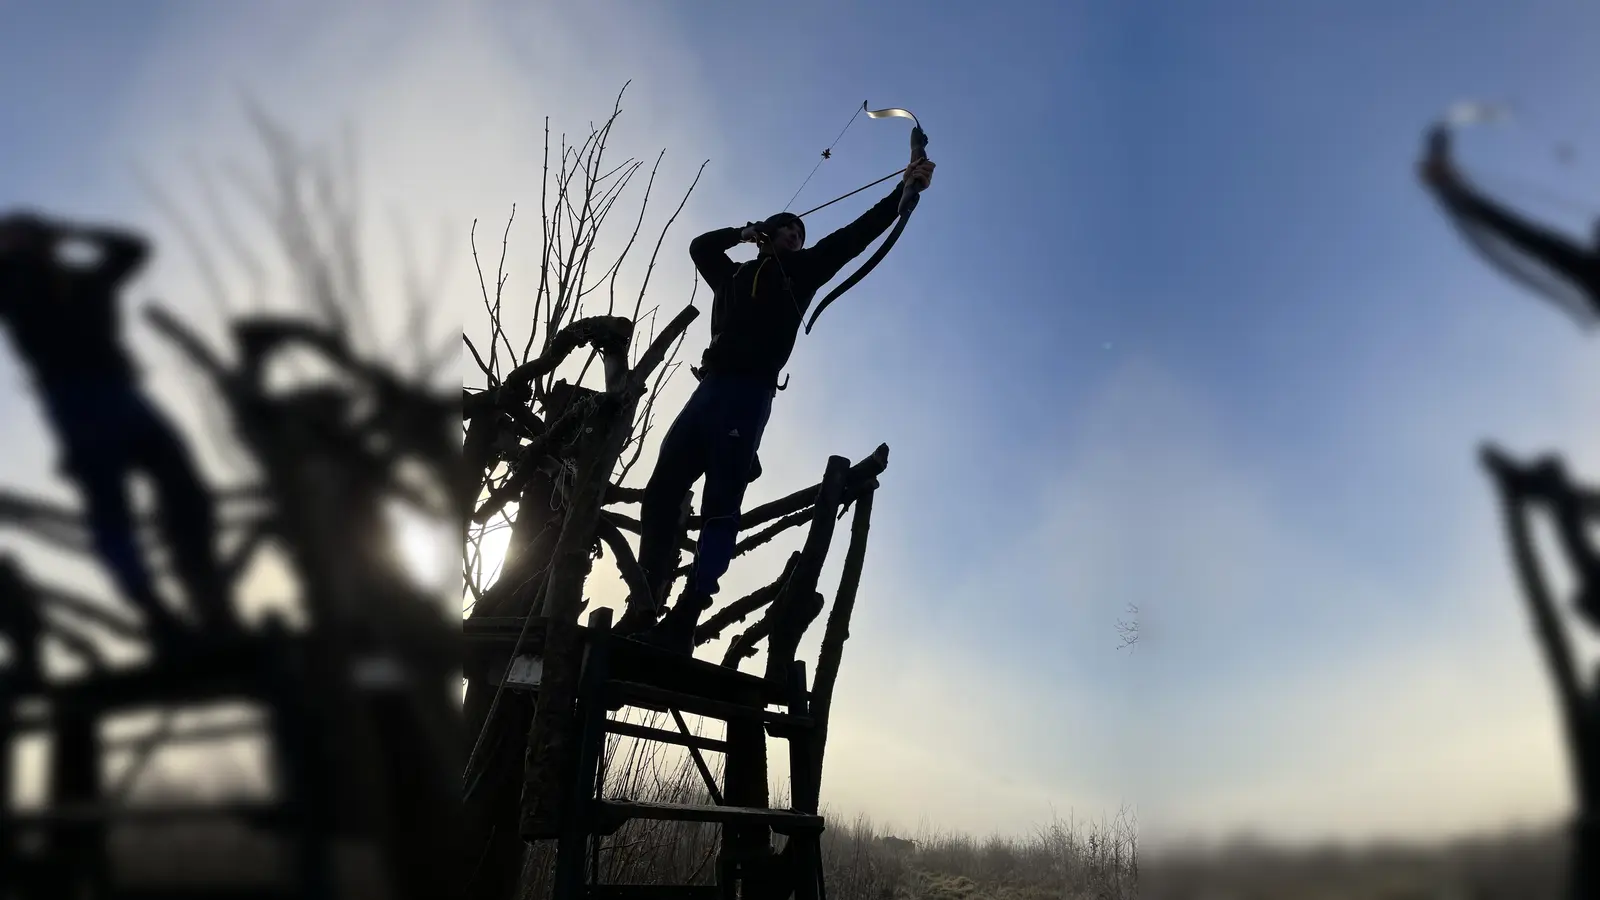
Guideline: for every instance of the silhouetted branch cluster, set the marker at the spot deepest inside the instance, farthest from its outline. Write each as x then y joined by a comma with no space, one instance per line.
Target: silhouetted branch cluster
528,435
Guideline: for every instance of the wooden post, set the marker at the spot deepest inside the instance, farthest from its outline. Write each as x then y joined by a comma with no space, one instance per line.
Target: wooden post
836,633
796,606
301,766
8,731
575,820
75,782
803,850
549,759
21,625
745,849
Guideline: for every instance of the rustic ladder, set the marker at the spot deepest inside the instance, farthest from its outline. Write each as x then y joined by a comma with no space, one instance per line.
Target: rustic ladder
616,672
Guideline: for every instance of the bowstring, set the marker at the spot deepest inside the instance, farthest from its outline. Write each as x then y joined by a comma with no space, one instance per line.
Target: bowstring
852,193
826,155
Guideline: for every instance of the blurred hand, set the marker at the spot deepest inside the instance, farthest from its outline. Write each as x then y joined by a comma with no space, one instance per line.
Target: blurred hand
921,172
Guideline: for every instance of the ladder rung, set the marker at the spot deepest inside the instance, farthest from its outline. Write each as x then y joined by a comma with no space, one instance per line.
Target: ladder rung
643,695
655,892
633,661
204,892
661,735
783,821
69,815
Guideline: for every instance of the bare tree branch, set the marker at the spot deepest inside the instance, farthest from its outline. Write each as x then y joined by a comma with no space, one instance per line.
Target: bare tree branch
657,252
740,609
622,554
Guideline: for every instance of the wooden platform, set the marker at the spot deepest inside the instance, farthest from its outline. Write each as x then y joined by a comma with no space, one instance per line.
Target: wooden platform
490,641
612,814
62,847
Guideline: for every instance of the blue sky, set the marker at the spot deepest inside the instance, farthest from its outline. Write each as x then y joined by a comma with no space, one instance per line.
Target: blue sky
1174,327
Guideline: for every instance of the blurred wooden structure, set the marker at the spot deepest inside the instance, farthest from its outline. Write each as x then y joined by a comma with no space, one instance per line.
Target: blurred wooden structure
1523,489
63,848
358,705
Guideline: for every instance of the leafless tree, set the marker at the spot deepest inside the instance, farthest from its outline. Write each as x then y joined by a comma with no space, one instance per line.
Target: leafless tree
549,438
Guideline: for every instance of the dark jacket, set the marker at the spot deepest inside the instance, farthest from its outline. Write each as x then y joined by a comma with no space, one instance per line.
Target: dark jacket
64,320
758,306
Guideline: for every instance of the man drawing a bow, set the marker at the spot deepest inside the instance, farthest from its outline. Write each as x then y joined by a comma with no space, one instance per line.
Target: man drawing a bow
756,314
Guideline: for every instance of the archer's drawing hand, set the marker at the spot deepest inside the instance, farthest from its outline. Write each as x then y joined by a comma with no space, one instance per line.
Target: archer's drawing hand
920,171
749,234
1438,173
1437,169
24,221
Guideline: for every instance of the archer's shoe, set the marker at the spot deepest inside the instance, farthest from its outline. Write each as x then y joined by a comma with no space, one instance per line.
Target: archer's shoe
675,632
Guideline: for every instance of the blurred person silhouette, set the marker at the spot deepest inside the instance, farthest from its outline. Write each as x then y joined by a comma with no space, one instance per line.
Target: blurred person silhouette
63,321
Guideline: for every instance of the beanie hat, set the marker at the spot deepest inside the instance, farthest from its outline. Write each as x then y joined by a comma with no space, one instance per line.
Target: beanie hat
785,218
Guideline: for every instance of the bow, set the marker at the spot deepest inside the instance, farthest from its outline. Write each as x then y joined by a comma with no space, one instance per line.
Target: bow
909,195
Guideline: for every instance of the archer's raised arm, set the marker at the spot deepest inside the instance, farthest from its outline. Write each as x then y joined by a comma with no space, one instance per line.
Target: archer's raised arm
1546,245
826,257
710,254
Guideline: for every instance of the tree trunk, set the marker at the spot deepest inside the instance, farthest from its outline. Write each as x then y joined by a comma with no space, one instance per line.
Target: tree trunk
492,849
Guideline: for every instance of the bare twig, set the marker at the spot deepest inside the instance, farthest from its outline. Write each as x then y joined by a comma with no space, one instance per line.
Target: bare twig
651,268
500,285
1128,631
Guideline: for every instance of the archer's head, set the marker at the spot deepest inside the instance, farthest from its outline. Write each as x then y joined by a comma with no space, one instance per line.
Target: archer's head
787,233
24,235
